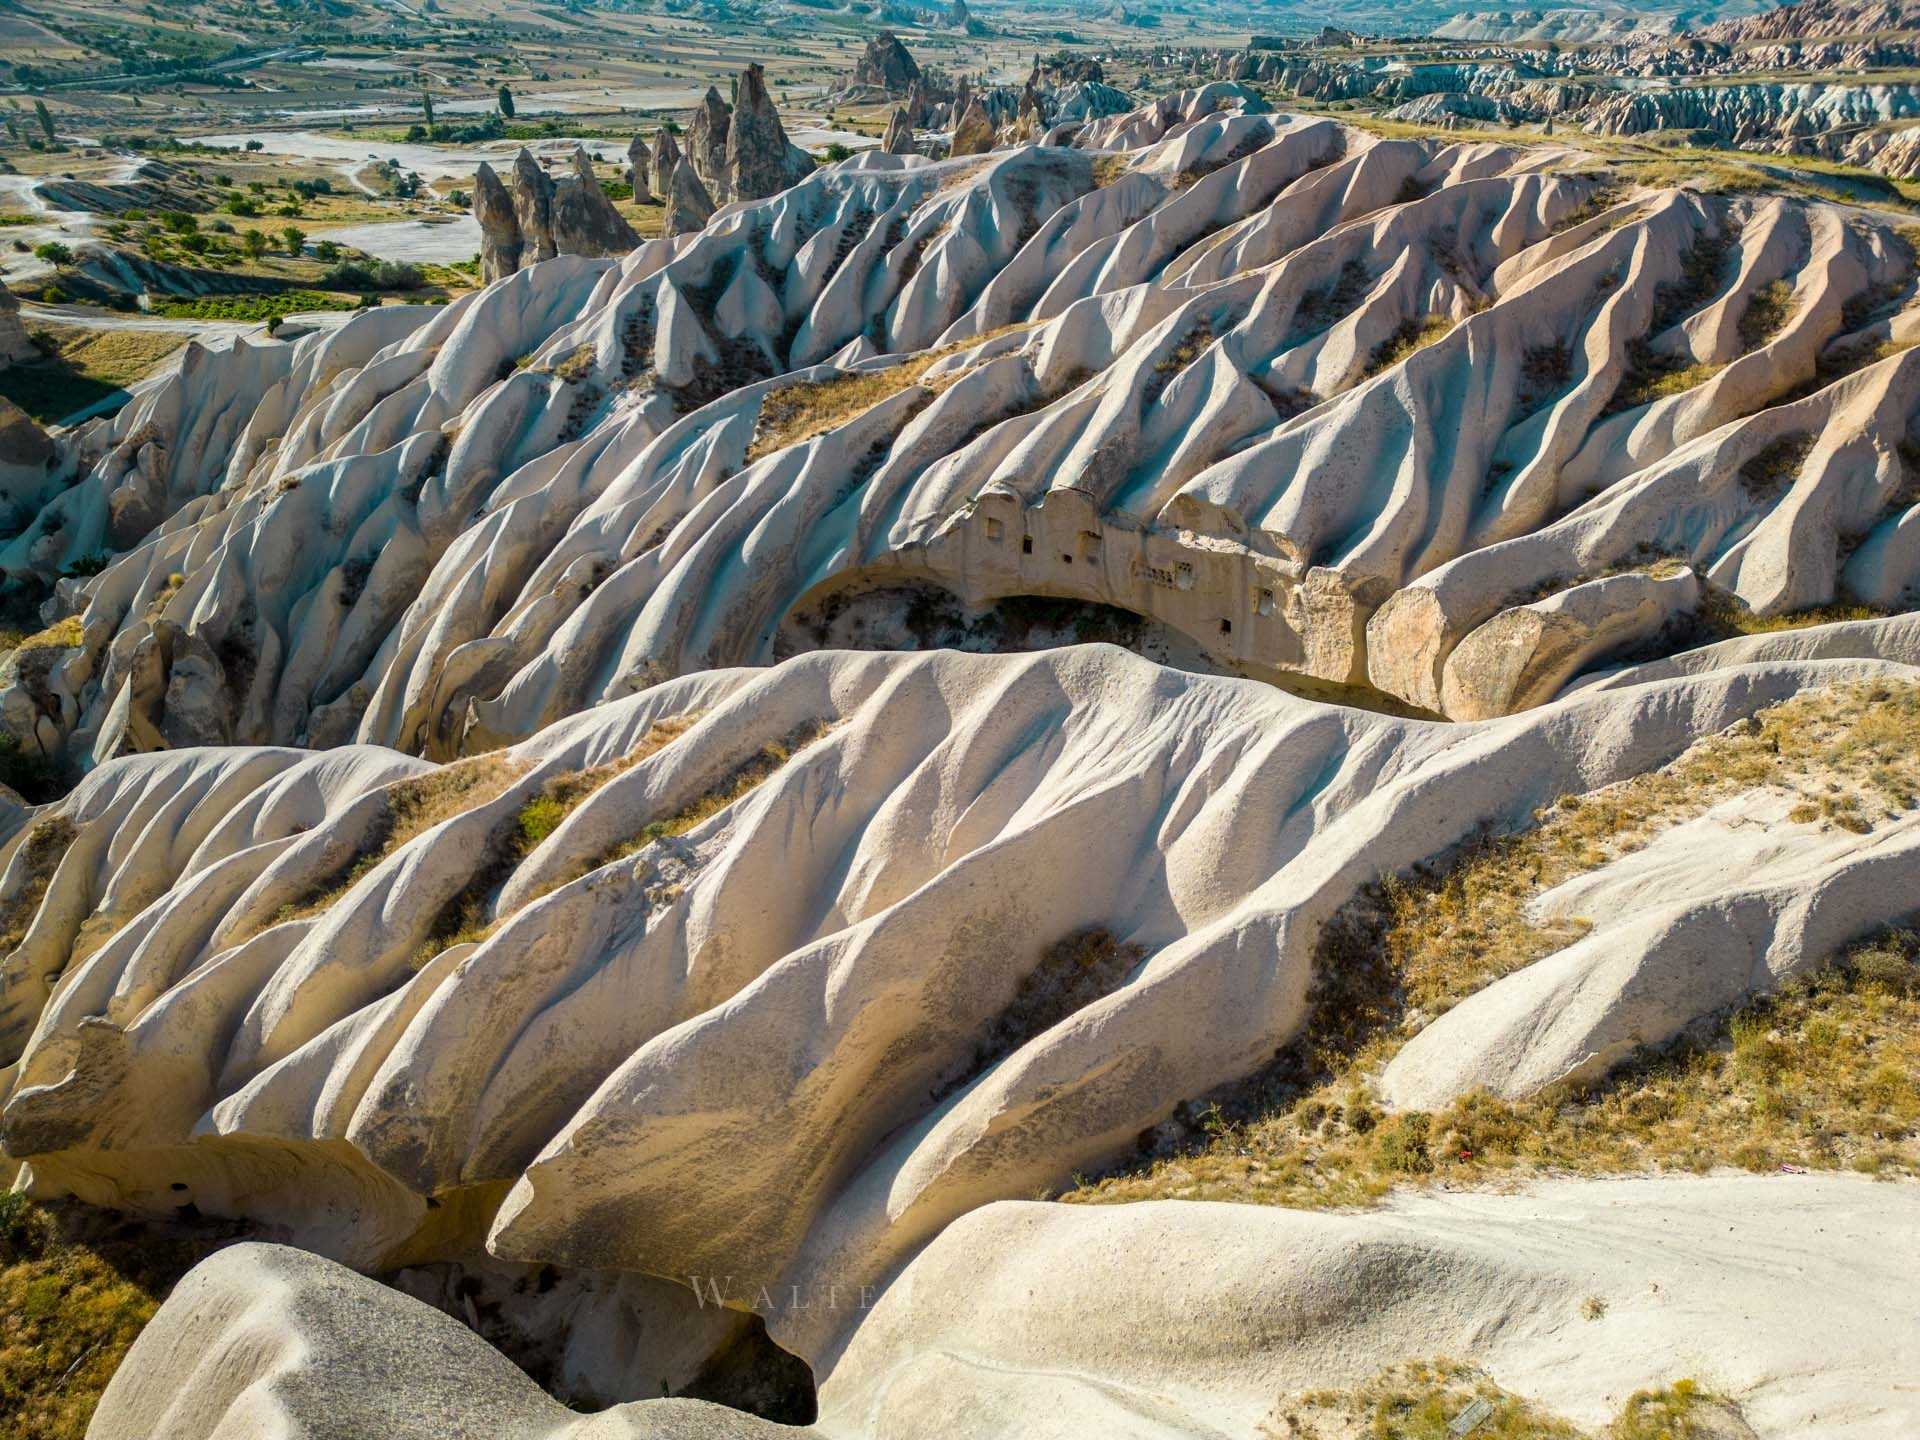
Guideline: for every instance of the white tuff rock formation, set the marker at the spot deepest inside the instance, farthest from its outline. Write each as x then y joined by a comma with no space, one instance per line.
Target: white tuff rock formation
539,218
1203,400
456,1043
1077,1321
586,791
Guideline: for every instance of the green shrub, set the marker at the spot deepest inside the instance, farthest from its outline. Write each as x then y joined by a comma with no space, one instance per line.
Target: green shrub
372,275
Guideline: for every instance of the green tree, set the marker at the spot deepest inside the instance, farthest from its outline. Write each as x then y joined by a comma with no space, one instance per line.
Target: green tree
426,104
53,252
295,237
45,117
506,102
256,243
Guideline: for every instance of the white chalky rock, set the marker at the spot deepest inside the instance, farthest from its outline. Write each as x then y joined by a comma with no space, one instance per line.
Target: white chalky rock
1155,1321
442,528
756,1048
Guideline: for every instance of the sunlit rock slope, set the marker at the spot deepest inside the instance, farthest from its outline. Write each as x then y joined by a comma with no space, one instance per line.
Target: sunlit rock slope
1444,425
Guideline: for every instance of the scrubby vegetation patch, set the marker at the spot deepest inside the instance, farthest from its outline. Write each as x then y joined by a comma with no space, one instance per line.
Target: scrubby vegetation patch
1816,1075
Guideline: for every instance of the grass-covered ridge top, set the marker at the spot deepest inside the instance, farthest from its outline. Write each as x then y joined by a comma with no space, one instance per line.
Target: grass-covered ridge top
76,1287
413,807
1816,1075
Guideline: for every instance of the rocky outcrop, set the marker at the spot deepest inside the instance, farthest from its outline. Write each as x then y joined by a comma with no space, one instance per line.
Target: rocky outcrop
640,169
1752,114
917,105
29,459
1563,27
886,65
741,763
760,160
584,220
264,1339
533,209
1173,336
689,206
708,126
153,185
500,237
973,132
15,346
1820,19
464,1037
899,137
666,159
541,218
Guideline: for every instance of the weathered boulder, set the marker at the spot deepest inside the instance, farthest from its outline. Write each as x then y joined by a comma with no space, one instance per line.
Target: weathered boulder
500,237
1524,655
707,130
689,206
899,137
887,65
974,134
760,160
267,1340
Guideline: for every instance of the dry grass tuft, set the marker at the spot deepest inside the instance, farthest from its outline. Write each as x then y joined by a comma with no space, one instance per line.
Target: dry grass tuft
1189,349
1651,377
1774,469
1071,974
1680,1411
66,634
167,590
1766,315
1724,616
537,820
1806,1076
1321,308
44,846
414,807
1411,336
560,796
1421,1400
1413,1401
797,413
755,771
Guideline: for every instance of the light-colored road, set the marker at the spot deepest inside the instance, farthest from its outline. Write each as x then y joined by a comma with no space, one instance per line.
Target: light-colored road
67,226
